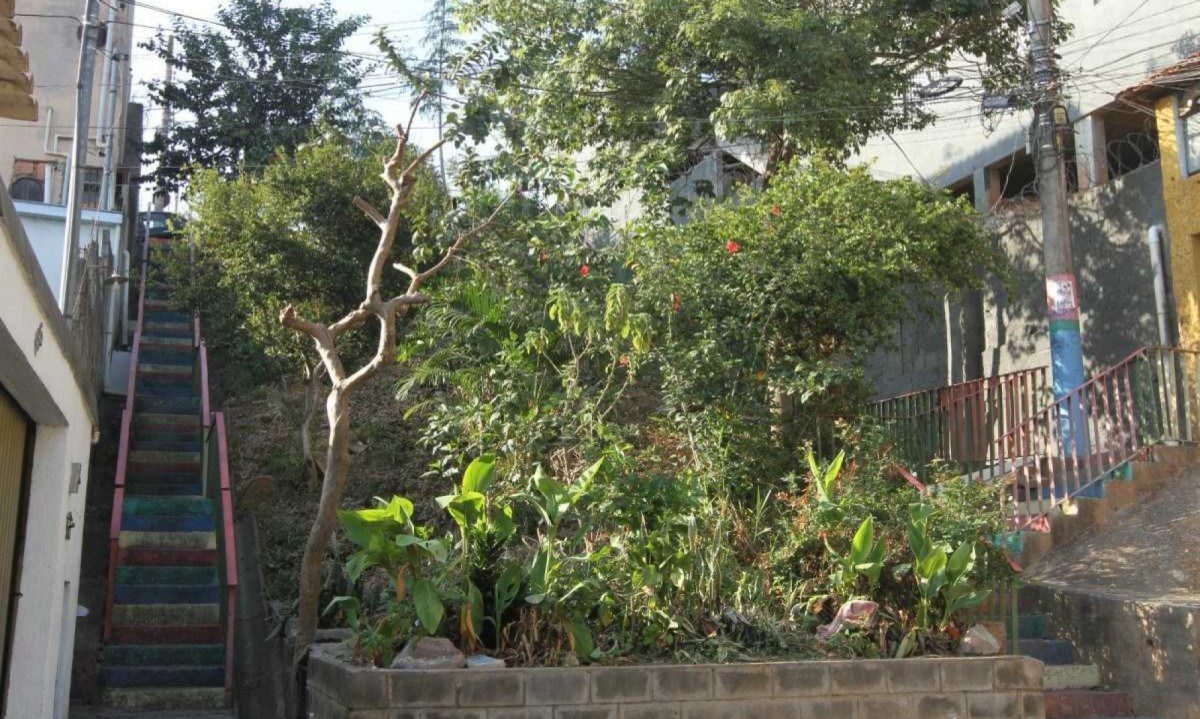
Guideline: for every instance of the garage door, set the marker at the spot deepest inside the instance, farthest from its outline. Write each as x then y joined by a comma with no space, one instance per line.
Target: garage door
14,435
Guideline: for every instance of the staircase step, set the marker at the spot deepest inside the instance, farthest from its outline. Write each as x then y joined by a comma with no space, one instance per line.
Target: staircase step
1084,704
167,540
159,615
1048,651
169,345
180,390
173,359
167,594
151,575
166,676
148,699
1030,626
161,310
167,523
151,557
142,655
1072,676
190,461
169,634
171,405
167,444
188,506
164,489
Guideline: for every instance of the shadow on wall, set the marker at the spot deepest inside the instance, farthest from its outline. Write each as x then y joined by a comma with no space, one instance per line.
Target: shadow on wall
1109,225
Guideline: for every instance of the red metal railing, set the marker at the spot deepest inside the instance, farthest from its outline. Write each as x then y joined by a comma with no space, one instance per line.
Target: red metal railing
230,542
1085,436
958,424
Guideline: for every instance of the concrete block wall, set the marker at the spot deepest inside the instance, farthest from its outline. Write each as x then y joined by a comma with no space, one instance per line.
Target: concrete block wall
983,688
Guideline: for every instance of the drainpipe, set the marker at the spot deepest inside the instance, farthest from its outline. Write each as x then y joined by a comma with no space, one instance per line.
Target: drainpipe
108,110
49,148
1156,242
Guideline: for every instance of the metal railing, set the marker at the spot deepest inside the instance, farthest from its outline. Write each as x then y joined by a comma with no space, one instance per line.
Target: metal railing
1085,436
958,425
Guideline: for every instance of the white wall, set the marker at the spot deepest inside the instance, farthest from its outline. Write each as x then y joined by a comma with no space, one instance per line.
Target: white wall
1114,44
45,226
50,564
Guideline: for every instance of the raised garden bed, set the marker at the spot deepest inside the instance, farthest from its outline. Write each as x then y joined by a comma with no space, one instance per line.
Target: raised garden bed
1006,687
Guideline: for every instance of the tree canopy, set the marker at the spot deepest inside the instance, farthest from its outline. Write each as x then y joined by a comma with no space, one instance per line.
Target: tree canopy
254,83
644,77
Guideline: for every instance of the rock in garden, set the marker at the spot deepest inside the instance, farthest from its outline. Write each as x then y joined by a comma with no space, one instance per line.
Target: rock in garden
429,653
979,642
483,661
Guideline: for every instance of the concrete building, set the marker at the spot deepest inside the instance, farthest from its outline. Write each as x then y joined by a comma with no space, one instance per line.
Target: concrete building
1120,189
51,366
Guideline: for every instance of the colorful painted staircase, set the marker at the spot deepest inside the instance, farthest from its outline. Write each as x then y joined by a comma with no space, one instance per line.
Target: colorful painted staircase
169,617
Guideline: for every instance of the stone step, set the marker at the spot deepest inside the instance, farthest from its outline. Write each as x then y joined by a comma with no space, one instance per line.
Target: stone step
162,310
168,676
167,444
172,345
186,506
167,540
172,358
150,557
170,634
1072,676
1047,651
1085,704
160,615
167,594
166,615
169,405
164,489
172,369
158,700
176,390
151,575
167,523
146,459
149,655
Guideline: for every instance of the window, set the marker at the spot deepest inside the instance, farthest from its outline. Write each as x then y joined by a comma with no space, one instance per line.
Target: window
89,188
27,189
1188,122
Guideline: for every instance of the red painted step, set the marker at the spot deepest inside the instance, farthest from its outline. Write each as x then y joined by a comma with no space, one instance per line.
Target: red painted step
160,634
1087,704
166,557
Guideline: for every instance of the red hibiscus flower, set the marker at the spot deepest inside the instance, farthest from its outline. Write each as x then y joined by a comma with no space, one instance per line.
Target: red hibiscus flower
775,210
585,270
732,247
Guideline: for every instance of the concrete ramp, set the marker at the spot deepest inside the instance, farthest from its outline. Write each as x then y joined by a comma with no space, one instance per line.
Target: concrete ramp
1126,593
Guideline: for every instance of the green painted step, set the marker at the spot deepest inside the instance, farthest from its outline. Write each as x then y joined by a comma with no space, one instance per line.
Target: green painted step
166,614
155,457
144,655
151,575
168,540
182,370
190,506
1030,626
160,699
1072,676
154,419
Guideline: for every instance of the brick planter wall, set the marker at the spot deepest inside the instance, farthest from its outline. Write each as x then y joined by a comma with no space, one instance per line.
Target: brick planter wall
987,688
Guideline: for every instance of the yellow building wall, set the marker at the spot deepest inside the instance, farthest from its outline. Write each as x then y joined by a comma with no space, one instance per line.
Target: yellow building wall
1181,195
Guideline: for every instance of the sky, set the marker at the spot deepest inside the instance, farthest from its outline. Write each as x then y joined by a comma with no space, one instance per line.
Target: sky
403,20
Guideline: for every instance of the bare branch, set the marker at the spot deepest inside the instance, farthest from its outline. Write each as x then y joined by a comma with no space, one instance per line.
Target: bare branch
323,338
423,157
400,266
416,107
352,319
405,301
290,319
453,249
370,211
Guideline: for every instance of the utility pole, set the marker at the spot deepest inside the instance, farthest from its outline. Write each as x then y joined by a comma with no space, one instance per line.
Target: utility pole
79,153
162,197
1053,132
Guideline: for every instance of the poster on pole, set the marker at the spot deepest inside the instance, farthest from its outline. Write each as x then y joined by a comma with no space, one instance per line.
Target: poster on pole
1062,297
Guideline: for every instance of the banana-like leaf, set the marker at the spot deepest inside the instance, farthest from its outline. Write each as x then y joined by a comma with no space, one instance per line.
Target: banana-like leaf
428,604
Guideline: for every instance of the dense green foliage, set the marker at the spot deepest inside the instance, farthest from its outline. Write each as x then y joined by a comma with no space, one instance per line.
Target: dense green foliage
647,79
291,234
256,88
642,499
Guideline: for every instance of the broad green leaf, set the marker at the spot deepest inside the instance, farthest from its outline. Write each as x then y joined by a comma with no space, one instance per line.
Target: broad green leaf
581,637
864,540
479,473
428,604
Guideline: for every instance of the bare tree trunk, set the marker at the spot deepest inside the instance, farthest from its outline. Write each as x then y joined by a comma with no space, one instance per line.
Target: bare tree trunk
400,179
313,469
337,466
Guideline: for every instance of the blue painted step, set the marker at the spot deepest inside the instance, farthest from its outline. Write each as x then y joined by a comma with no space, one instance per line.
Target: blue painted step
170,676
167,523
167,594
159,356
173,390
166,490
1049,651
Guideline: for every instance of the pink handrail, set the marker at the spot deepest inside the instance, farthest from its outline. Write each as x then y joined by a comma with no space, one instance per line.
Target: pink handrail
231,573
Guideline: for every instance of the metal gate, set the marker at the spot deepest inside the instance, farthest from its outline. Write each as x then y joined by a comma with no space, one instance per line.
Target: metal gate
14,444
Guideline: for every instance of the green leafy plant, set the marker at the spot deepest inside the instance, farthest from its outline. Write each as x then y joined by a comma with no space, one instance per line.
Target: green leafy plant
388,539
943,576
865,559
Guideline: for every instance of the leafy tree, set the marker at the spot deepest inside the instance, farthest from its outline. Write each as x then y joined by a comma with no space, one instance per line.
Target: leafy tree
646,79
255,86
